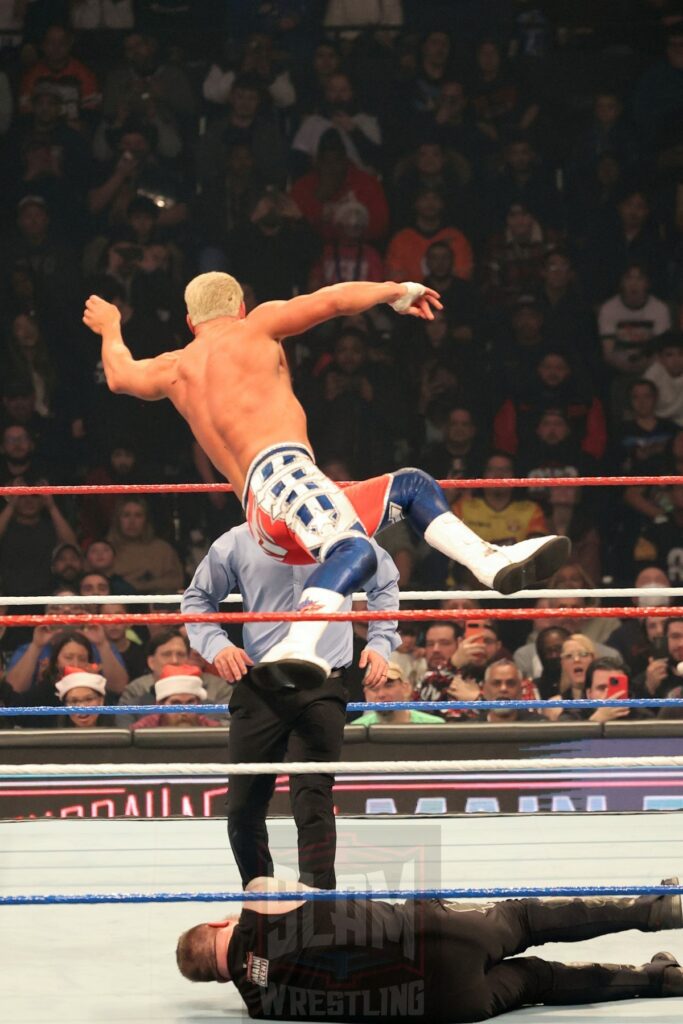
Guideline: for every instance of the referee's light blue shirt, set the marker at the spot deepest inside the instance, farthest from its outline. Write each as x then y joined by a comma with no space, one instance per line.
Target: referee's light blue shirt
236,562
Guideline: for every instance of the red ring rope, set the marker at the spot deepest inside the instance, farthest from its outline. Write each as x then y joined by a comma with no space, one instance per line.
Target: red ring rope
417,615
536,482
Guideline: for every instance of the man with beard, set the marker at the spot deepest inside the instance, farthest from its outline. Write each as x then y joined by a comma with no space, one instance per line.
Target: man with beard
360,132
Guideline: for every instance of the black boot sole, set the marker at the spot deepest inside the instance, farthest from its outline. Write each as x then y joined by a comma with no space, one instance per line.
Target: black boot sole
534,570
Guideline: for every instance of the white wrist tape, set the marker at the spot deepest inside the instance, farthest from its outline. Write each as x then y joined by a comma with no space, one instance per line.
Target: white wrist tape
413,292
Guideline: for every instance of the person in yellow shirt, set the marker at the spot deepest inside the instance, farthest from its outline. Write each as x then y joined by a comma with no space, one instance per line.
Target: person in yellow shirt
496,515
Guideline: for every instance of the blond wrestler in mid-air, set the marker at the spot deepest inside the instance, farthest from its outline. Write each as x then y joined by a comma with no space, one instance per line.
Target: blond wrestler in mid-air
232,385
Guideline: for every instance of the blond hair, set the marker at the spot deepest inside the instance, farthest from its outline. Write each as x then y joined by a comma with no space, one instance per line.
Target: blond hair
213,295
581,638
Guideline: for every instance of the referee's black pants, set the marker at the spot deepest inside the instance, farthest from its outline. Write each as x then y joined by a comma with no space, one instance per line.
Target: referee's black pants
300,725
469,945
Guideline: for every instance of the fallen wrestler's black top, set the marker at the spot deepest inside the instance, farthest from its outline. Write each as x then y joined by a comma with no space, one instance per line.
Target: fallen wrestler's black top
349,960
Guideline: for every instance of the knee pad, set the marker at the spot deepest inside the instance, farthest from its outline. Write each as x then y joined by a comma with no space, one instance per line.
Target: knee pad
348,565
418,495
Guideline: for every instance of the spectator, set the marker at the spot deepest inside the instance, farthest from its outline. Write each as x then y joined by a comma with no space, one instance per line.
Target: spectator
100,557
55,155
348,257
577,654
630,320
503,681
441,681
661,540
248,122
35,668
350,413
81,687
407,250
430,168
26,667
77,84
310,80
144,560
596,687
66,564
607,132
30,359
639,639
513,259
661,676
497,97
19,460
569,320
126,641
178,684
459,298
460,453
228,198
94,584
658,99
168,647
631,237
136,170
258,59
37,244
359,131
546,666
554,385
441,643
497,516
333,181
274,252
554,451
641,437
570,515
434,65
144,78
409,655
30,527
521,182
526,657
396,687
452,121
666,373
480,647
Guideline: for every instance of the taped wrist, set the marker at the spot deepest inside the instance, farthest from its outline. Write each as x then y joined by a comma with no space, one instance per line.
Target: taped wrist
413,292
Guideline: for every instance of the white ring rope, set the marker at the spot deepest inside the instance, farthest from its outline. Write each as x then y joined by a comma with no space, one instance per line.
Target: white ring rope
343,767
405,595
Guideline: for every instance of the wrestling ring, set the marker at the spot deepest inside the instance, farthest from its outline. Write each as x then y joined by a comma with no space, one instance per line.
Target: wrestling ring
93,906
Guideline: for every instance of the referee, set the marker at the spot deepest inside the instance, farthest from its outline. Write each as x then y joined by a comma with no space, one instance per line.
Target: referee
266,725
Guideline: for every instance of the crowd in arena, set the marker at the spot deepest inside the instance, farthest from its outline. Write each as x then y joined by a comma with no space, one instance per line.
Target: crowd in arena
522,157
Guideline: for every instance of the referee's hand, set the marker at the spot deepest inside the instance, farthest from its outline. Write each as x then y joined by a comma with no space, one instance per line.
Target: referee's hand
375,667
232,663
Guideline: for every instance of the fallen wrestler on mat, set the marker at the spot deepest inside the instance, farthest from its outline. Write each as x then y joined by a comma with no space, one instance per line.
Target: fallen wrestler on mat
232,385
433,960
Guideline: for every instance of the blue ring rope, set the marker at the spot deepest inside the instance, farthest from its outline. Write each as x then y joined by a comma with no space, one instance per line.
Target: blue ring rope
409,705
516,892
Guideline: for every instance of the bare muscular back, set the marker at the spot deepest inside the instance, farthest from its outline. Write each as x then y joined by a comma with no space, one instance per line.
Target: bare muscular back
233,388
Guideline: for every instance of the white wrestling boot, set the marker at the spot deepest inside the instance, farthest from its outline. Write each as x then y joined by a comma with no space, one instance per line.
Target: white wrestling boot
292,663
505,569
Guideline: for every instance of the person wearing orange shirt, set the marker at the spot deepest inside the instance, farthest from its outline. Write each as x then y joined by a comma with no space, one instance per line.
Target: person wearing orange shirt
76,83
408,248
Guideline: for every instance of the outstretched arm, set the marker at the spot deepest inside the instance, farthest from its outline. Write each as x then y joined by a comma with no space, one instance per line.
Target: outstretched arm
142,378
284,319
